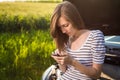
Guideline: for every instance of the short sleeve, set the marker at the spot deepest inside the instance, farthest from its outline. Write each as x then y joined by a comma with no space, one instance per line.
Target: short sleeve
98,47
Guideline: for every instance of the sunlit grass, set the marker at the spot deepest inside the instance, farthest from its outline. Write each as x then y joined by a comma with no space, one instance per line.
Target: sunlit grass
27,8
25,55
18,16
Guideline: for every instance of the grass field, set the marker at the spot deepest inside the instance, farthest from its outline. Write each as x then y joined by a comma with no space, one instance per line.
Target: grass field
24,55
26,8
15,16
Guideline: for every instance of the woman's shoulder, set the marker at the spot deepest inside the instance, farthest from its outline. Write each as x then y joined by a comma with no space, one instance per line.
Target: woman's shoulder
97,34
96,30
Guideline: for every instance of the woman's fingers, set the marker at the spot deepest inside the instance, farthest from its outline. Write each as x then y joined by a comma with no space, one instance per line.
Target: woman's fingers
61,62
65,59
58,59
63,53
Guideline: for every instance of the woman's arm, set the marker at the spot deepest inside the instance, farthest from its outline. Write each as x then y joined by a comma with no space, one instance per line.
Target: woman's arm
93,72
98,52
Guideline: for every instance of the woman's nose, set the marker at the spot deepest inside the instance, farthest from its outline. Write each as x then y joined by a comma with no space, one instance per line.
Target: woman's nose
63,31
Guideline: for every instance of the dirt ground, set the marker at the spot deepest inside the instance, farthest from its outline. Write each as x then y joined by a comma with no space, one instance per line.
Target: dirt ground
110,72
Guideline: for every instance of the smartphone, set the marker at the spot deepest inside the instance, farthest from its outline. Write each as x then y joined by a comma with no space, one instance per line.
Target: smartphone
55,54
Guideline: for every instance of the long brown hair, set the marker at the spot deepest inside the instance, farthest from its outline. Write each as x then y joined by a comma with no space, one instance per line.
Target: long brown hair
69,11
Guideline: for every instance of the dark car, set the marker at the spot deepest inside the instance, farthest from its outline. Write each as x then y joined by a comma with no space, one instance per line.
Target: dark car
112,44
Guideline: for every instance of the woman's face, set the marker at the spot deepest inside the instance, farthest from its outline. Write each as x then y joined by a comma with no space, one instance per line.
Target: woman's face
66,27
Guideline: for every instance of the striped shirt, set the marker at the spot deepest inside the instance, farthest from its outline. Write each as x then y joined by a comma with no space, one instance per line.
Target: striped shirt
92,51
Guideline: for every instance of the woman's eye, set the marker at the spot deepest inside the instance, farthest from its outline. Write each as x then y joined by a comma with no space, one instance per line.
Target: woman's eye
63,26
66,25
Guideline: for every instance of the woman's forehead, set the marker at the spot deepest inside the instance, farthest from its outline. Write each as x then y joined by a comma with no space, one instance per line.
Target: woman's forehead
62,20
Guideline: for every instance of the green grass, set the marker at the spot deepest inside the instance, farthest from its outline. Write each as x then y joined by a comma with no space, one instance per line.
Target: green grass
25,54
21,16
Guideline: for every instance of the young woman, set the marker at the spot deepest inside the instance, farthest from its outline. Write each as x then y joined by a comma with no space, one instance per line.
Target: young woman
80,52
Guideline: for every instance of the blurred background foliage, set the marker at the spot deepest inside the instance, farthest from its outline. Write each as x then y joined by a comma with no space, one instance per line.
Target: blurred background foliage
17,16
25,41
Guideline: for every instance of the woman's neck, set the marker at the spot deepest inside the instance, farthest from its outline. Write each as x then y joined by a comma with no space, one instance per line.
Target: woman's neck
77,35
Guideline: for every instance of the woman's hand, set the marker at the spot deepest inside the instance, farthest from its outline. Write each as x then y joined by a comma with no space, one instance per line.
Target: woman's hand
63,58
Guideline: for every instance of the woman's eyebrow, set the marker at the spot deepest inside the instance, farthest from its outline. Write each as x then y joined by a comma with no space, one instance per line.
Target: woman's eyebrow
64,24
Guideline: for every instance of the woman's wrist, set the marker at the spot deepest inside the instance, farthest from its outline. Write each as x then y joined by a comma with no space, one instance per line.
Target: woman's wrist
62,67
72,62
